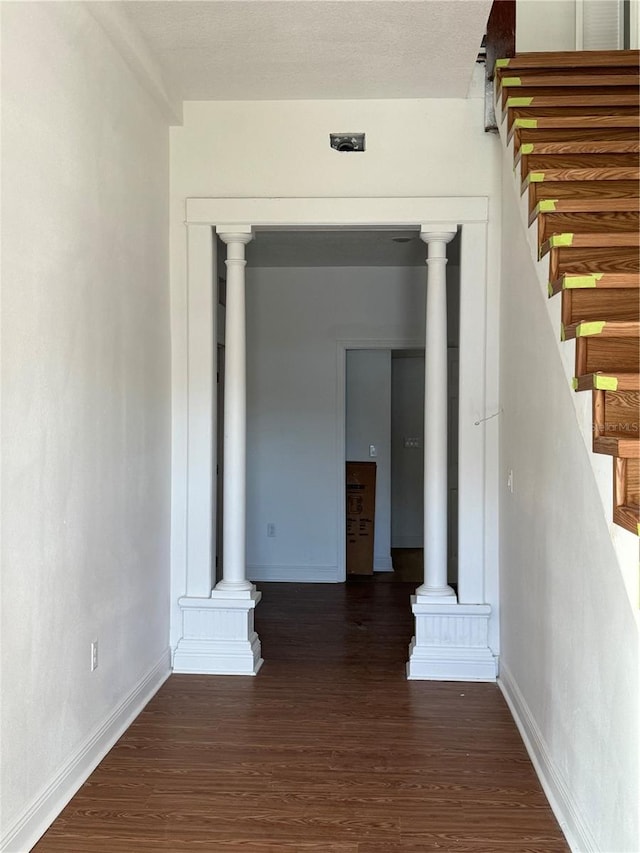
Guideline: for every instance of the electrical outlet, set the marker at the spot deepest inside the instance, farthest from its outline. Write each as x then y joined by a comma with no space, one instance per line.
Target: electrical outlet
94,655
412,443
510,480
271,529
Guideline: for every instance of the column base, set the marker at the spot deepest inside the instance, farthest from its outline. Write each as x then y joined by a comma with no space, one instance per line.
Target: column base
218,637
451,643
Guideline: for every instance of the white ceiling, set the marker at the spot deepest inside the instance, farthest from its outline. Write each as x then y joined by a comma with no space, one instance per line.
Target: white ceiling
342,249
313,49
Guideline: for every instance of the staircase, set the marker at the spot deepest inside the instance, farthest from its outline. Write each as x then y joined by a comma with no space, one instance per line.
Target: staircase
574,122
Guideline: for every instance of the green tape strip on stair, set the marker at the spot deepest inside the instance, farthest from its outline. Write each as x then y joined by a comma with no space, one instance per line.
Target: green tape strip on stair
511,81
547,205
585,330
557,240
574,383
571,281
502,63
535,177
531,123
519,102
605,383
526,148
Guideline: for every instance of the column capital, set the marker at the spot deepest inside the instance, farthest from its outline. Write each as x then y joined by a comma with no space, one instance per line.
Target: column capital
438,233
235,233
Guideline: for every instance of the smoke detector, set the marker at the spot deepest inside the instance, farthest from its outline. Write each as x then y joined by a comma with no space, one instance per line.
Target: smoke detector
347,141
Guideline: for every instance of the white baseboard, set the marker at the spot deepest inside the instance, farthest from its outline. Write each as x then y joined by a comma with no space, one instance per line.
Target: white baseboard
297,574
47,805
567,812
382,563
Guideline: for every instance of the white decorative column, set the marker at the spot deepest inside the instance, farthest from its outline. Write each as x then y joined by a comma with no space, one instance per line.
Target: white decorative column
218,632
450,641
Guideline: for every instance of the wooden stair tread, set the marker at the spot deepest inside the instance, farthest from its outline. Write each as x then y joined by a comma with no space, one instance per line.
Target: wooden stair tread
610,381
584,205
617,446
602,328
596,240
571,59
616,173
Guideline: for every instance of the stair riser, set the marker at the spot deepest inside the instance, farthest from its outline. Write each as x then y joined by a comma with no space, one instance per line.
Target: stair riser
571,95
616,413
595,354
577,261
536,136
582,189
586,223
571,60
545,162
563,112
593,304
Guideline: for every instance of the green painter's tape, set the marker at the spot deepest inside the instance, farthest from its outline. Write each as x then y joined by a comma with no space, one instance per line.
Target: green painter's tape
571,281
526,148
605,383
511,81
557,240
574,383
502,63
550,290
519,102
547,205
526,122
563,334
536,177
585,330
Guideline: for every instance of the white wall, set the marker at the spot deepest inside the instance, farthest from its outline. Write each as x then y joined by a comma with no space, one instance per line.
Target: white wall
569,640
407,473
295,321
545,25
368,421
86,404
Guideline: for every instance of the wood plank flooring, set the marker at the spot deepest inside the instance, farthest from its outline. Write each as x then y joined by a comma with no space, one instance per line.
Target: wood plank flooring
329,749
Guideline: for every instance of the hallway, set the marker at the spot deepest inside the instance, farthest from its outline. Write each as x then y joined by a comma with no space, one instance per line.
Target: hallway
329,749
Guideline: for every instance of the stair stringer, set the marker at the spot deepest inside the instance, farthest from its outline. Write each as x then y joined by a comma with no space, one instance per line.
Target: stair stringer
625,543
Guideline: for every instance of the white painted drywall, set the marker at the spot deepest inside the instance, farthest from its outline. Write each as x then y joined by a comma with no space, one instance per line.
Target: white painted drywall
86,398
407,471
568,634
545,25
368,422
295,321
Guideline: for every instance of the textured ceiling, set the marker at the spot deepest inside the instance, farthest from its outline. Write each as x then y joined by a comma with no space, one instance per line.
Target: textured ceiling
342,249
313,49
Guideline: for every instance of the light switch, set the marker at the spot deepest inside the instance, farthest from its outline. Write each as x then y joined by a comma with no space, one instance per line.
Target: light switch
372,451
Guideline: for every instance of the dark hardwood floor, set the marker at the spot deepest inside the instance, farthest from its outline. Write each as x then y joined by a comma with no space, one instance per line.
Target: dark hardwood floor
329,749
